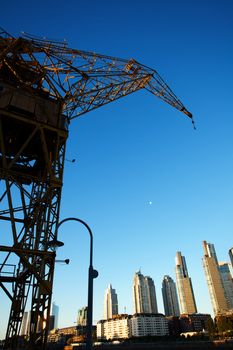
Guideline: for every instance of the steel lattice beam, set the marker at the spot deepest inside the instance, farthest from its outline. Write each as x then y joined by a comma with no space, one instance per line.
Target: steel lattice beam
43,86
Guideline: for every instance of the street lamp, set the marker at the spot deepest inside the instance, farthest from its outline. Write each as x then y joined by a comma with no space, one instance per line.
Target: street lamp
92,273
66,261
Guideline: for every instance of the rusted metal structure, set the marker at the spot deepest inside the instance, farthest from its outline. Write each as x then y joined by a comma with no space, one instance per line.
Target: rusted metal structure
43,86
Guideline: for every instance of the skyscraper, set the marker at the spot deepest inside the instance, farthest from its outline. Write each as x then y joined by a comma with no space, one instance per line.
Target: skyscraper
170,299
150,286
110,303
55,312
82,317
231,256
227,282
144,295
214,280
184,286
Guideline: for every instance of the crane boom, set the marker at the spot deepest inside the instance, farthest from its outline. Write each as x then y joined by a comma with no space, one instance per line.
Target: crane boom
43,86
83,80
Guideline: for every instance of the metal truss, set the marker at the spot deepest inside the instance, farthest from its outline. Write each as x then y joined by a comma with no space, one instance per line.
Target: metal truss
31,193
43,86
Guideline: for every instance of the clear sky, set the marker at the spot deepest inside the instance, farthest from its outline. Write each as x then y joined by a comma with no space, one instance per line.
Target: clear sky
147,183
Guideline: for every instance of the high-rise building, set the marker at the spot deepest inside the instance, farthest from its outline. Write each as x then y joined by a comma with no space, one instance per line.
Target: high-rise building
170,299
214,280
82,317
110,303
227,282
231,256
26,323
25,327
51,322
82,321
144,295
184,286
150,286
55,312
139,293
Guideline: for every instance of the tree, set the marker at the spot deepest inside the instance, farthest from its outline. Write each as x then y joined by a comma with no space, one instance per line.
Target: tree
211,328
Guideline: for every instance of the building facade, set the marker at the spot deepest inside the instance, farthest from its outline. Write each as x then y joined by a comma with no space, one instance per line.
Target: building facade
82,317
110,303
55,312
214,280
194,322
127,326
117,327
227,282
61,335
144,295
143,325
170,298
184,286
188,323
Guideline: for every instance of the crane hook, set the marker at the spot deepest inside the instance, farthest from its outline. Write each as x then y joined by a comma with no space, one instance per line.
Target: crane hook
194,126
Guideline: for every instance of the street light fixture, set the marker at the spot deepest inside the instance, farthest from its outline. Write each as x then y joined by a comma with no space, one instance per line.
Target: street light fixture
55,244
92,274
66,261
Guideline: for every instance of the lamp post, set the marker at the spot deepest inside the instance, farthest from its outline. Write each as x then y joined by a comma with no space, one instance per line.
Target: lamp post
92,273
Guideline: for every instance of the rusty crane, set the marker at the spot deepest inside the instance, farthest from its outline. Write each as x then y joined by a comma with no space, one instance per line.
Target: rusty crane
43,86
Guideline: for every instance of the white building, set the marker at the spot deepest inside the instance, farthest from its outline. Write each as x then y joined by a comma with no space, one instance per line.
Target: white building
117,327
127,326
143,325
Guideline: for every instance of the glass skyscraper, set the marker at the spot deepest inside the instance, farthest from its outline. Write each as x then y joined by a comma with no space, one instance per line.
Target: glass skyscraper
55,312
144,295
214,280
227,282
110,303
170,299
184,286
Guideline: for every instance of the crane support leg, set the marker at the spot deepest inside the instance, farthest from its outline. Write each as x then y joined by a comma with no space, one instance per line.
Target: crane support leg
31,169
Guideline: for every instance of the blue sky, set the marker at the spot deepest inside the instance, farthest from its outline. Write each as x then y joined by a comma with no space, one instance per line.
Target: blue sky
139,150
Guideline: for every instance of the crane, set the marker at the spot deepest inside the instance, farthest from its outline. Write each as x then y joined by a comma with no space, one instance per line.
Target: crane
44,85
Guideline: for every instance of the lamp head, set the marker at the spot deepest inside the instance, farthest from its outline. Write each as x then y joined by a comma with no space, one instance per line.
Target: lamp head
54,243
